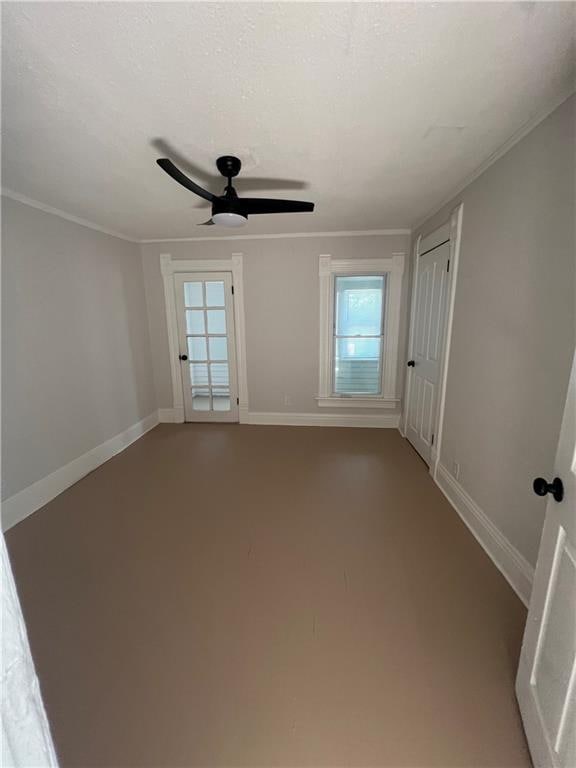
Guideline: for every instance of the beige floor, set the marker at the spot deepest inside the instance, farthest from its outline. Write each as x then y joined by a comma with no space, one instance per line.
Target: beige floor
227,595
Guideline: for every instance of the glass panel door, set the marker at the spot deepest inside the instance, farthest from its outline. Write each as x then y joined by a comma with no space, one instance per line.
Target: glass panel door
207,350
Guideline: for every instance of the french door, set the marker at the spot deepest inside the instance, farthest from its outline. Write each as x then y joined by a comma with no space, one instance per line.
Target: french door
428,322
205,313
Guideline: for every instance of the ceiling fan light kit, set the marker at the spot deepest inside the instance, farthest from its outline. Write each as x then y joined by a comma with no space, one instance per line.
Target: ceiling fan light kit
229,210
229,219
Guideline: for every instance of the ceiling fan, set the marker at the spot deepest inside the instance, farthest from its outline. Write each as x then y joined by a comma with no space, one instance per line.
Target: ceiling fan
228,209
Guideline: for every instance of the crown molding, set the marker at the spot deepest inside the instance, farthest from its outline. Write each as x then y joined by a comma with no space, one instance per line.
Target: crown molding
523,131
350,233
91,225
63,215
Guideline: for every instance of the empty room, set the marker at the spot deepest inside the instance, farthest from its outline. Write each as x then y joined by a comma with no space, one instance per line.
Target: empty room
288,384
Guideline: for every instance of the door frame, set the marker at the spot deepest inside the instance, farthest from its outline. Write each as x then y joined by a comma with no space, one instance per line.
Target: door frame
170,267
455,224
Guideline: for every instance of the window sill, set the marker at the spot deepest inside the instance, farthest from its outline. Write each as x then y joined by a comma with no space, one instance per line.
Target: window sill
336,401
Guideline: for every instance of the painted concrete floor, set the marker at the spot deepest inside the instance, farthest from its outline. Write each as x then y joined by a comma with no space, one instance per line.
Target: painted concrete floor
224,595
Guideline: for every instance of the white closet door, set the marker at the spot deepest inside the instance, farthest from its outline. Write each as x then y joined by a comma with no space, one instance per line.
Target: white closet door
546,682
428,319
204,307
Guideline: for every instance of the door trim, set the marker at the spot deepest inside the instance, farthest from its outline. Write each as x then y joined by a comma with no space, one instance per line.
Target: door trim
454,227
169,267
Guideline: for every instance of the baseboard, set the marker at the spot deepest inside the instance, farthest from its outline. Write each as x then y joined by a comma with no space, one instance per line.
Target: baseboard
513,566
27,501
176,416
171,415
323,419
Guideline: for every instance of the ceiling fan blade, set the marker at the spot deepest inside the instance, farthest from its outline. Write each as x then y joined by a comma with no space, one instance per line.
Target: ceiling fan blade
169,167
208,223
254,205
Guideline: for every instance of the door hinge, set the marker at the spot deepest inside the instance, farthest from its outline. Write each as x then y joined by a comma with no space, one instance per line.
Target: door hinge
448,266
237,401
232,290
432,441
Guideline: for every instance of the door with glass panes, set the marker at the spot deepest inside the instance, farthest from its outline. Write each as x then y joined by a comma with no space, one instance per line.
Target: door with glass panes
204,306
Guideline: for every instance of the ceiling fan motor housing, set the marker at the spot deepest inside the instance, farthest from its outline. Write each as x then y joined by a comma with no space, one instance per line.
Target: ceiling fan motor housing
229,204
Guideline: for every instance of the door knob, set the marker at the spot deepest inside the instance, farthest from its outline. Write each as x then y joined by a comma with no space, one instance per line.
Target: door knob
410,363
183,357
556,488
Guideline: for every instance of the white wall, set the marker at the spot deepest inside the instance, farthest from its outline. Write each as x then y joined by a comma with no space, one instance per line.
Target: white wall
281,290
514,327
76,366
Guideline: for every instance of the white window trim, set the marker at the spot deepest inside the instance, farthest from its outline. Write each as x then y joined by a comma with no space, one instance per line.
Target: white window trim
169,267
393,267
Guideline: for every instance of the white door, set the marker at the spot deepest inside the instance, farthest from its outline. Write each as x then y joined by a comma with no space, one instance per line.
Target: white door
25,738
204,307
546,682
427,340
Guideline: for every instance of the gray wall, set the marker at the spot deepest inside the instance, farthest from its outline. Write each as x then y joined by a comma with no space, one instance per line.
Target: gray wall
514,326
76,364
281,290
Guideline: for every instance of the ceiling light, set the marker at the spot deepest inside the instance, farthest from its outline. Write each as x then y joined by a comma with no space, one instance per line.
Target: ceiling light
229,219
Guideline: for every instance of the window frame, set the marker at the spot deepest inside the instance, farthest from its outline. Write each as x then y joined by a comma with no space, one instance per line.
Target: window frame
393,268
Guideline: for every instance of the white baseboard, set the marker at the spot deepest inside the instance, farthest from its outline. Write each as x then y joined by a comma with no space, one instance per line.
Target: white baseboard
323,419
171,415
27,501
174,416
513,566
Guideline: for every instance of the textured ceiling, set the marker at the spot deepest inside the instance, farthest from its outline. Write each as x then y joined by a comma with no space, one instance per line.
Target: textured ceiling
383,109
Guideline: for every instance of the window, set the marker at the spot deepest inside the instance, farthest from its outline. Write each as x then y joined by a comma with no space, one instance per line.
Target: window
359,316
358,333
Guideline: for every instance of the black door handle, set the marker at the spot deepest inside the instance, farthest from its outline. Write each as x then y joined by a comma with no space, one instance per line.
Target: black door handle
556,488
183,357
410,363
